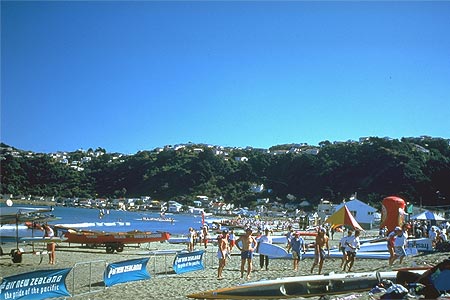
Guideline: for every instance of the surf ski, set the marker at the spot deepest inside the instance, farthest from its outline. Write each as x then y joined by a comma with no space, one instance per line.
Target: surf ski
300,286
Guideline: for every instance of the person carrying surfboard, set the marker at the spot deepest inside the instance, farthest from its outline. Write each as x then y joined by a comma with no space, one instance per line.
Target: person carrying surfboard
246,244
319,249
264,259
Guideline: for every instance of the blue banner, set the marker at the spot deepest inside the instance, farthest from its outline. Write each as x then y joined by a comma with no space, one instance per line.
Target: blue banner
188,262
35,285
124,271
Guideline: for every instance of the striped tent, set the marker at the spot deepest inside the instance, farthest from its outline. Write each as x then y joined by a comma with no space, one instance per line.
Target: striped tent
343,217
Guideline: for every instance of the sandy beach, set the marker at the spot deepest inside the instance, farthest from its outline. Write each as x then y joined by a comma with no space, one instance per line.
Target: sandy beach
164,283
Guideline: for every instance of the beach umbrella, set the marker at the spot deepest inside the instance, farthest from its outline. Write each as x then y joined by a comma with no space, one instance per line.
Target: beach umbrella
428,215
343,217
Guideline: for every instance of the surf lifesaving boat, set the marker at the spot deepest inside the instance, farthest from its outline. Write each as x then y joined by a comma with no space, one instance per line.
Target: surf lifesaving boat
113,241
300,286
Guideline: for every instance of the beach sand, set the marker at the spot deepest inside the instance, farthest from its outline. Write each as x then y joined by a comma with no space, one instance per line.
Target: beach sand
88,266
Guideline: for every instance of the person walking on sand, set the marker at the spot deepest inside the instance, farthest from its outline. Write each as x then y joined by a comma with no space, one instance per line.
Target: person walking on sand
352,245
319,251
222,252
205,234
191,238
297,247
264,259
390,245
249,244
399,245
51,247
289,236
342,244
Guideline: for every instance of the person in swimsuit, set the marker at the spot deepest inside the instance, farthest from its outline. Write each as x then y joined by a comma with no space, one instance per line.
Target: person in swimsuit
319,252
249,244
222,252
51,247
231,239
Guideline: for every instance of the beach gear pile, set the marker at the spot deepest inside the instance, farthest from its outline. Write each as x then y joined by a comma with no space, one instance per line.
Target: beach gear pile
433,284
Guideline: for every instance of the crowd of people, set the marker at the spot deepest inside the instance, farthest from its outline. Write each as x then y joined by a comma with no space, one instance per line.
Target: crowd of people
248,244
349,244
438,234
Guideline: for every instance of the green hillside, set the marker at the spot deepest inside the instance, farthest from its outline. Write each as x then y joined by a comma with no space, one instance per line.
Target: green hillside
416,169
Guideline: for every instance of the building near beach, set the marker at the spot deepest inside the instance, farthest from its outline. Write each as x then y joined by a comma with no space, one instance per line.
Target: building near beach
364,214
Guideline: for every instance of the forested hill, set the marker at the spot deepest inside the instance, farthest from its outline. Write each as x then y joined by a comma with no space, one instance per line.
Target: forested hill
416,169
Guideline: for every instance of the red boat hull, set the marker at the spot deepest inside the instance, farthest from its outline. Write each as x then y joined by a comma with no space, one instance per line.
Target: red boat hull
134,237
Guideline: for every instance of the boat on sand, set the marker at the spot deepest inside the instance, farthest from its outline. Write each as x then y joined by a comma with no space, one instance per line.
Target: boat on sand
300,286
113,241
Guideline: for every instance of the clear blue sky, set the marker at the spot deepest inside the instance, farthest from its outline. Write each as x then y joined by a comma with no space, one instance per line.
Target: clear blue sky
130,76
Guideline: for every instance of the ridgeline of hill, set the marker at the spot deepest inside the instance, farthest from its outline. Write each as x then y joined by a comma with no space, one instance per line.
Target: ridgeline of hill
416,169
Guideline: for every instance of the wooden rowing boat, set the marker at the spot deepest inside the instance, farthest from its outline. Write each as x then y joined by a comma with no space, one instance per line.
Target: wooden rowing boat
113,241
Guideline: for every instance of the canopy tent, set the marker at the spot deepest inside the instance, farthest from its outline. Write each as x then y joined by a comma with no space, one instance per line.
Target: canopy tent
428,215
343,217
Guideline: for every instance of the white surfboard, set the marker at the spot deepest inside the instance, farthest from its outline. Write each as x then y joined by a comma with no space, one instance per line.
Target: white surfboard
338,254
421,244
272,250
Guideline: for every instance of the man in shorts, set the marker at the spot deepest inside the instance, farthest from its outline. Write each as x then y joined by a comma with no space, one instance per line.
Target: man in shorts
342,244
319,249
352,245
249,244
297,246
399,245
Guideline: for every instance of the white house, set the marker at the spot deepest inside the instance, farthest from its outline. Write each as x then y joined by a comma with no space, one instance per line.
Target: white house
364,214
174,207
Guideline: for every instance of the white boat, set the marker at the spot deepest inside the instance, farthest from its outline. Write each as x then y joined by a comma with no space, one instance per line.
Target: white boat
300,286
421,244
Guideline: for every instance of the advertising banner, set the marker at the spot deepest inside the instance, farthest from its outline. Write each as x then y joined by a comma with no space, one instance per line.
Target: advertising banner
35,285
422,244
124,271
188,262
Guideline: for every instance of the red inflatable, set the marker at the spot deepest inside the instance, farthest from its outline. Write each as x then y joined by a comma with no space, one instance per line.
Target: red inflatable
392,212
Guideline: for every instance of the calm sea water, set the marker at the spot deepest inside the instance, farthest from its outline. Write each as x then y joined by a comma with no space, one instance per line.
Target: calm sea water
115,221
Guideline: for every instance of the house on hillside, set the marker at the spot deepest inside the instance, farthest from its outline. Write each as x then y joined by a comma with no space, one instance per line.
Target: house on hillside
325,209
363,213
